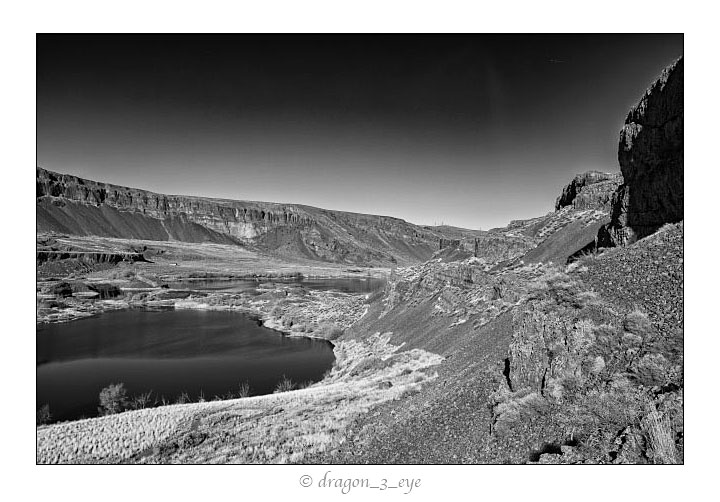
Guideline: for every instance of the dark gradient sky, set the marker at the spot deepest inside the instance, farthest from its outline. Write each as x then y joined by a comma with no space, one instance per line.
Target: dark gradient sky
468,130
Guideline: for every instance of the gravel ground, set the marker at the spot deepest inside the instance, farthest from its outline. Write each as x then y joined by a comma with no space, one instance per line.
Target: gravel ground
448,420
647,275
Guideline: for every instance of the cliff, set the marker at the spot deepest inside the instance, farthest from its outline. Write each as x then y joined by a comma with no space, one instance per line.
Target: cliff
590,190
72,205
650,153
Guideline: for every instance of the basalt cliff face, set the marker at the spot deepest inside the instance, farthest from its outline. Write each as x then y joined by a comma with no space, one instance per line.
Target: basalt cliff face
71,205
650,154
590,190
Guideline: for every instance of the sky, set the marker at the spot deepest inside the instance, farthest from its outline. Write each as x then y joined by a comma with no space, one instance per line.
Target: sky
465,130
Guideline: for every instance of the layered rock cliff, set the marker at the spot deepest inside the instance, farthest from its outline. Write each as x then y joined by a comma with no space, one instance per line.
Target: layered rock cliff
650,154
76,206
590,190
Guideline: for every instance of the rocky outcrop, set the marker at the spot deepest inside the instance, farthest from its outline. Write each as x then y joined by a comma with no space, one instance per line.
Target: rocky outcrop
650,154
590,190
448,243
42,256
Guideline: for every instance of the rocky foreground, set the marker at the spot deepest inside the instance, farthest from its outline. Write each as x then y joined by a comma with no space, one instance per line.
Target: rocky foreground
543,364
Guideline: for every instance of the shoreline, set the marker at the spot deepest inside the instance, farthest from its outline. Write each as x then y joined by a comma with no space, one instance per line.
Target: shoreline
364,375
142,291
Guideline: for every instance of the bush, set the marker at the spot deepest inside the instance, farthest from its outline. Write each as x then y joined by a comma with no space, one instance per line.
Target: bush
637,322
284,385
43,416
244,390
584,299
141,401
113,399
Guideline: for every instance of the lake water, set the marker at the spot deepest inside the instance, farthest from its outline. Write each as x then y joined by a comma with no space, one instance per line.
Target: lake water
168,352
344,284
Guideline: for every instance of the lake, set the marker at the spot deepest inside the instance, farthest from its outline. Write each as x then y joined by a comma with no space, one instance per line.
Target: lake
344,284
169,352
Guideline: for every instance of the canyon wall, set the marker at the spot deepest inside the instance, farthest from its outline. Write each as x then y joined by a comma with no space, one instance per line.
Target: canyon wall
76,206
650,154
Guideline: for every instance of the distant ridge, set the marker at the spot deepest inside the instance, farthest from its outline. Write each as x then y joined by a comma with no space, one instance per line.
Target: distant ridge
76,206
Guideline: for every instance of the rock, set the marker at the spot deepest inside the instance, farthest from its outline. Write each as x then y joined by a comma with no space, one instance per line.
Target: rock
448,243
650,154
590,190
59,289
550,458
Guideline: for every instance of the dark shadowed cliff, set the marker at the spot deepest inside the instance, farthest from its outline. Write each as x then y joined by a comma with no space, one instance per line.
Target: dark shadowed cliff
650,154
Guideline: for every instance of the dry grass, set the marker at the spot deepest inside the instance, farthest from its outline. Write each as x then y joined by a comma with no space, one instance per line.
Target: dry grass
284,385
660,435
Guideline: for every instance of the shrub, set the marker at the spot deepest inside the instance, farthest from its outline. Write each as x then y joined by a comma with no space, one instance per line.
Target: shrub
637,322
141,401
183,398
584,299
43,415
113,399
244,390
284,385
652,370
